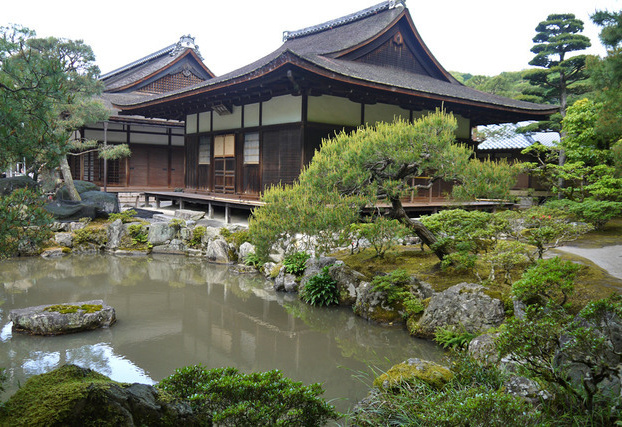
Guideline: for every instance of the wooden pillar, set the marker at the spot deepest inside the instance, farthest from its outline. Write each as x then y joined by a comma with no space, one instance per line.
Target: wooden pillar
181,203
210,211
227,214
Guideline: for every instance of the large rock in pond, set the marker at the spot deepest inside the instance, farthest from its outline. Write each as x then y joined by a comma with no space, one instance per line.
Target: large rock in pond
63,318
464,305
75,396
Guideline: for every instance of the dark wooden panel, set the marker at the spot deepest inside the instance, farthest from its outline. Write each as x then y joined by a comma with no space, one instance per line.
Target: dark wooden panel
158,167
192,166
251,179
281,156
139,166
177,167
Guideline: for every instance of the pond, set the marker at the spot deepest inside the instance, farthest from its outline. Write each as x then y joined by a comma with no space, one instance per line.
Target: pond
174,311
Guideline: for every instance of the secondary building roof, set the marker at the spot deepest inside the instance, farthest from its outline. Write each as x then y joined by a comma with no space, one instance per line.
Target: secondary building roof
350,56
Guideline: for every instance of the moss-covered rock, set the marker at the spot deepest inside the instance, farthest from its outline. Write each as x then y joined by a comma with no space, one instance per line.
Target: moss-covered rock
413,370
72,396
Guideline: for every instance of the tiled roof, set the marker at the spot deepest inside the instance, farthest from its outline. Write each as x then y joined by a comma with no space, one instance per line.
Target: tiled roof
143,67
318,48
519,141
290,35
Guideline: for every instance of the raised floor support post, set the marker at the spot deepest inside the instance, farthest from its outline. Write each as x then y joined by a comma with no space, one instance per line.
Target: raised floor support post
227,214
210,211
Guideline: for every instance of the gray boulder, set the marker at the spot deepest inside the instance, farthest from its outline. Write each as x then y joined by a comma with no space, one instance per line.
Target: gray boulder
245,249
483,349
347,280
218,251
211,233
116,231
526,389
373,305
464,305
314,266
63,318
285,282
64,239
174,247
160,233
189,215
53,253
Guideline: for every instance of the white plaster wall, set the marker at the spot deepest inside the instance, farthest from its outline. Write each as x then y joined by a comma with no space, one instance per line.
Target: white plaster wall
333,110
282,109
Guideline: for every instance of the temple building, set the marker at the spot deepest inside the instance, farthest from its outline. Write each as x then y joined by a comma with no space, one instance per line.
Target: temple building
260,124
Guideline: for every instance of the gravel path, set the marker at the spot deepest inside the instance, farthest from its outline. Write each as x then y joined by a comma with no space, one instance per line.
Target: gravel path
608,258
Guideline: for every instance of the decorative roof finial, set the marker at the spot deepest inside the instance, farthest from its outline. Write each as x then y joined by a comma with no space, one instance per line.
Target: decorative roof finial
186,42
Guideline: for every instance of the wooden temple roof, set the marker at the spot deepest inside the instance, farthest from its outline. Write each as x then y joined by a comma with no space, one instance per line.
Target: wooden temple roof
341,57
183,55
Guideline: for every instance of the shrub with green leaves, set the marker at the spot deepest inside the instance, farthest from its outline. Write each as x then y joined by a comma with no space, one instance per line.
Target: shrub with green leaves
464,234
138,234
296,263
125,216
197,236
595,212
547,228
473,397
506,256
227,397
91,235
381,233
253,260
396,286
572,356
320,290
548,281
23,221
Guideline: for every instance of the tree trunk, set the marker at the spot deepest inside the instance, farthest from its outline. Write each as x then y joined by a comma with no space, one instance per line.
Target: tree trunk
426,236
73,193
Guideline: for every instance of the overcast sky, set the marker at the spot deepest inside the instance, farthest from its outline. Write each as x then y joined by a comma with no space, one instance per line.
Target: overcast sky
478,36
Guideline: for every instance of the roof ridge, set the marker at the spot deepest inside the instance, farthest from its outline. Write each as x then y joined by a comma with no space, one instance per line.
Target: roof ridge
185,42
138,62
356,16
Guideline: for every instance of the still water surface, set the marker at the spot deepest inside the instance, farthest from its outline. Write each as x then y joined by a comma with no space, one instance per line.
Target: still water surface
173,311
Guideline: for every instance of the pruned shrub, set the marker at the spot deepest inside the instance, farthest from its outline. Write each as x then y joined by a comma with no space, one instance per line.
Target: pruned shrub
225,396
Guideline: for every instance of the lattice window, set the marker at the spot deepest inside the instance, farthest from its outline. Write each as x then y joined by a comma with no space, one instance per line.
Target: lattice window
251,148
176,81
205,147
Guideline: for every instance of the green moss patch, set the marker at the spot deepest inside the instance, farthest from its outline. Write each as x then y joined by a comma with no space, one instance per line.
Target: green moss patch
47,399
404,373
69,308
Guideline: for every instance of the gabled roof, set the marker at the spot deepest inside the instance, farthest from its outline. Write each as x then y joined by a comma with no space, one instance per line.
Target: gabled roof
346,56
183,54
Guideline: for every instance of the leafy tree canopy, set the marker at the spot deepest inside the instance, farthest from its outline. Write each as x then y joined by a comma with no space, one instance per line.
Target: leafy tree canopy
378,164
